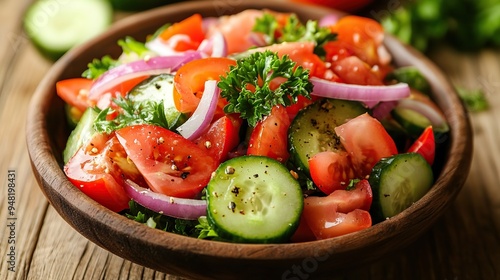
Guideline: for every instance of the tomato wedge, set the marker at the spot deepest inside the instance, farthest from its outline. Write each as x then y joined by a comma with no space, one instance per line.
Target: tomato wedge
340,213
331,171
192,27
170,164
269,137
221,138
425,145
99,168
75,91
366,141
190,81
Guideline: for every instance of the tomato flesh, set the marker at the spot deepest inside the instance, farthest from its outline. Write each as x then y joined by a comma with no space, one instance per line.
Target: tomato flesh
192,27
189,81
221,138
170,164
339,213
75,91
366,141
99,168
270,136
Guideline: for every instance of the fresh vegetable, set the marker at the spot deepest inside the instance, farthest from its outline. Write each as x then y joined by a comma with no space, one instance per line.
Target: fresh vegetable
398,182
364,142
182,208
99,168
55,27
254,199
260,82
170,164
81,134
266,135
312,130
341,212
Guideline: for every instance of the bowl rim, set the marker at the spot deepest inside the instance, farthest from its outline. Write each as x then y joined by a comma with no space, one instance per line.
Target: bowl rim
48,171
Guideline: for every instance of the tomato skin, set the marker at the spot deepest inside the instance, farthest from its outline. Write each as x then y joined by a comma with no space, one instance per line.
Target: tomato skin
366,141
425,145
362,36
221,138
170,164
270,136
99,168
74,91
189,81
192,27
331,171
339,213
352,70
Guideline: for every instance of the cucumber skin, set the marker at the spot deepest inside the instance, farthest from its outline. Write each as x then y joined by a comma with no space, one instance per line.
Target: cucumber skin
295,154
82,133
376,210
229,236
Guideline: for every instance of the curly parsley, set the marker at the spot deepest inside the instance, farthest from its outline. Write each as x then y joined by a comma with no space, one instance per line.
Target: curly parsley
247,86
294,31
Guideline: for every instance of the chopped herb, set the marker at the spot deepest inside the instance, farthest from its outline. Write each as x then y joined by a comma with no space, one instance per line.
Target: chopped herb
247,87
152,219
294,31
131,113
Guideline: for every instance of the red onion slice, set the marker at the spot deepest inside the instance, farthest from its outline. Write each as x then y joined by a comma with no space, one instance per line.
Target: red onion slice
202,116
182,208
152,66
328,20
383,109
215,46
368,94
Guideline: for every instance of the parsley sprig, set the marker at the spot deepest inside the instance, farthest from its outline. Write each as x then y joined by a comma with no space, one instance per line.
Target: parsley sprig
247,86
294,31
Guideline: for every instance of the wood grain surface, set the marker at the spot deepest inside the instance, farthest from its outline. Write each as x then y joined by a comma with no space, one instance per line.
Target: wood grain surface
463,244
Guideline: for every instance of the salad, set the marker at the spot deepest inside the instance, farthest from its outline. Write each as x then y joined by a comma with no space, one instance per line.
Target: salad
254,127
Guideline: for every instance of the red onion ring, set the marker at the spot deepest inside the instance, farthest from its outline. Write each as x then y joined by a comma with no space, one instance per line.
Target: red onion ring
215,46
182,208
152,66
204,113
368,94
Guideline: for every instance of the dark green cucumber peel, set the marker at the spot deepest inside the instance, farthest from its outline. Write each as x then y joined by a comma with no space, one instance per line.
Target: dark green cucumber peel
254,199
312,130
397,182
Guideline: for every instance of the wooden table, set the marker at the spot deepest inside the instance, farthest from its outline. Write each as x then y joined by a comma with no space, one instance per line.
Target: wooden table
463,244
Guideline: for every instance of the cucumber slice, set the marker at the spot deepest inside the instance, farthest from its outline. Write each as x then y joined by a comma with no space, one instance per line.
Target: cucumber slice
412,76
159,88
397,182
254,199
312,130
56,26
415,123
82,133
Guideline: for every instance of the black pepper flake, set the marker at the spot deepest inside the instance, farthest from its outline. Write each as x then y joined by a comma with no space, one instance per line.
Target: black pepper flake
158,86
184,175
256,175
236,191
232,206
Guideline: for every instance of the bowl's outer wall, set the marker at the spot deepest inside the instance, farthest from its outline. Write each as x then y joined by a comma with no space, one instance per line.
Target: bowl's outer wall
201,259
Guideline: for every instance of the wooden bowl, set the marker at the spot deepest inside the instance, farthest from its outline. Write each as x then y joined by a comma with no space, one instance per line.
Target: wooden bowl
203,259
